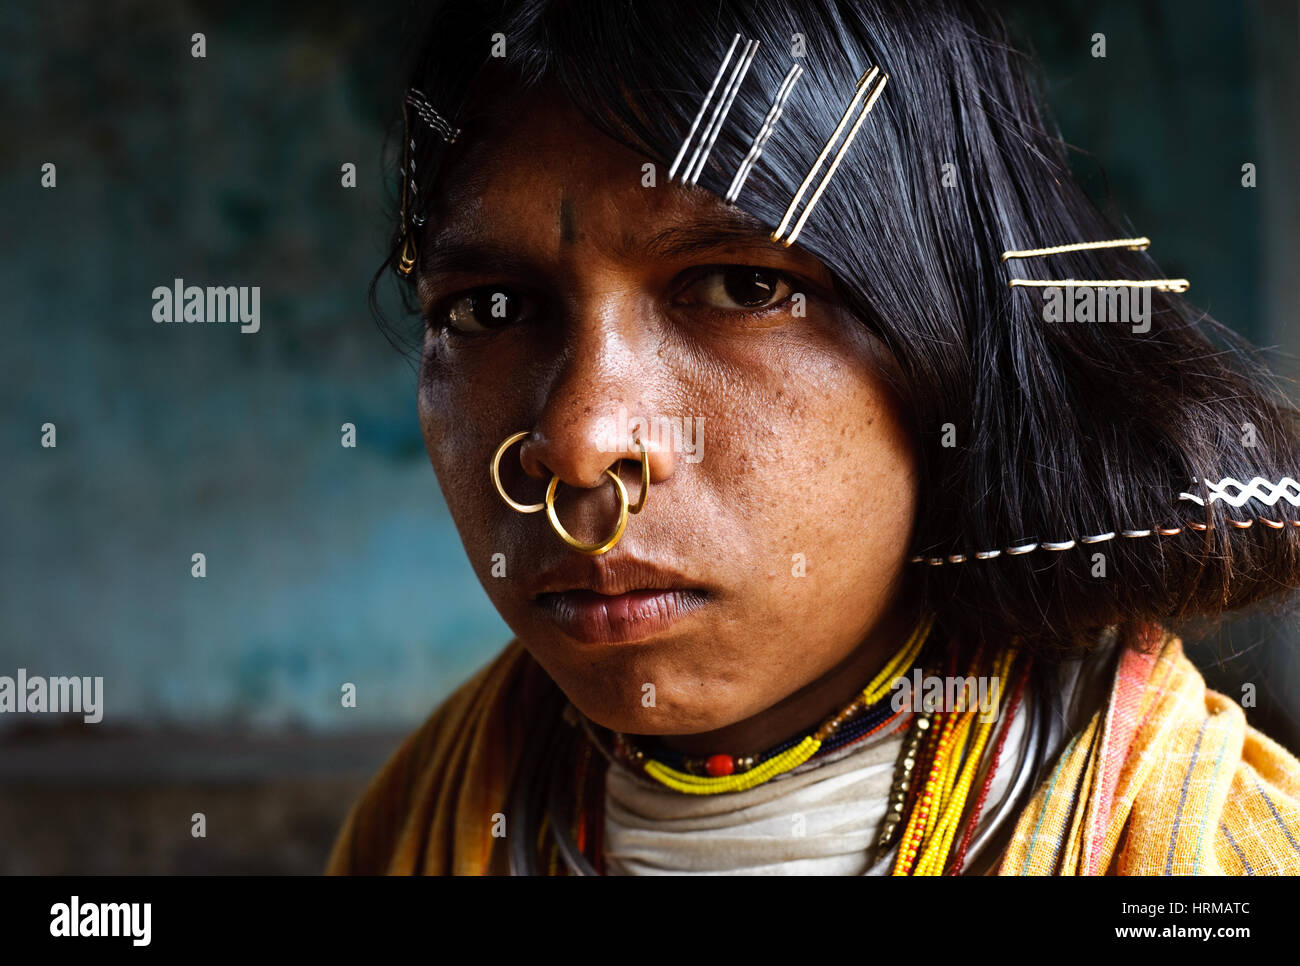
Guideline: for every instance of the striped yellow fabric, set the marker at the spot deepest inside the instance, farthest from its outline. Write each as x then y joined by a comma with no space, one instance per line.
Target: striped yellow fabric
1167,779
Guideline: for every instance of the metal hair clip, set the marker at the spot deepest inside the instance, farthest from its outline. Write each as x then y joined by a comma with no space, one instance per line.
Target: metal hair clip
417,101
1132,244
1258,488
764,132
709,135
1286,488
406,261
864,82
440,125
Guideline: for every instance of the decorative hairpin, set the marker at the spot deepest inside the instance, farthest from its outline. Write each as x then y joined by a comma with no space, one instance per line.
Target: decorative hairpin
764,132
709,135
417,101
440,125
864,83
1133,244
1286,488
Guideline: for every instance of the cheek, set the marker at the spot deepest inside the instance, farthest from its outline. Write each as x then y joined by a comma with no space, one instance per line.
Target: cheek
839,499
449,401
454,440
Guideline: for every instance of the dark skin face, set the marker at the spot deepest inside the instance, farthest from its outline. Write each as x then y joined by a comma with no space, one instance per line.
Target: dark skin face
619,295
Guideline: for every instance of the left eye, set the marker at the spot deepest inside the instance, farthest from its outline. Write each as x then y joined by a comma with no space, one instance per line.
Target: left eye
742,287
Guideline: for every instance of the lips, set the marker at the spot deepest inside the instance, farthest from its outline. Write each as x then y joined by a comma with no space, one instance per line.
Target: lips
620,619
616,601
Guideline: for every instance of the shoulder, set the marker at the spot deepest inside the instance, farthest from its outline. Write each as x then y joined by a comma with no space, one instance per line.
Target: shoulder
1220,797
1259,825
1167,778
459,759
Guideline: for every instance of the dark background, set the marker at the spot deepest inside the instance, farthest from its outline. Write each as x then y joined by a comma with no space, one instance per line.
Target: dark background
329,565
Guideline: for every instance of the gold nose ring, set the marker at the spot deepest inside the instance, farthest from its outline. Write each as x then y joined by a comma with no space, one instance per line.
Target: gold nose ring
592,549
496,476
645,479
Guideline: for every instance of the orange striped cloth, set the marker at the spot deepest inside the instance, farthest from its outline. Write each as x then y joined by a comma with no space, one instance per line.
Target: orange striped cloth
1166,779
435,805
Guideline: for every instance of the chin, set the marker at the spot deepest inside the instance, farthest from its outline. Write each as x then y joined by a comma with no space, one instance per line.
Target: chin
651,690
653,721
608,704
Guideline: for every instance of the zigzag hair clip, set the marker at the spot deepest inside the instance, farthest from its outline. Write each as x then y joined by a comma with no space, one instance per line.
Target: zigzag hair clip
1286,488
764,132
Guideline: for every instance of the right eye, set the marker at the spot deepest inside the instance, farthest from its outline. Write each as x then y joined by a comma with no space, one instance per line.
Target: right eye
480,310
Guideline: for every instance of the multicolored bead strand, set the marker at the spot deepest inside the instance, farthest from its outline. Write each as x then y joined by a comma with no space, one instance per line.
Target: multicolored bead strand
928,847
959,860
919,822
769,766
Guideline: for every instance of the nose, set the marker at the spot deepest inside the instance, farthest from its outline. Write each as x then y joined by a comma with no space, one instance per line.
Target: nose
580,453
601,409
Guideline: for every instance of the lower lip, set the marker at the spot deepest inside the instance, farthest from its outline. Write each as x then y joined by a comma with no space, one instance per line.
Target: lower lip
597,619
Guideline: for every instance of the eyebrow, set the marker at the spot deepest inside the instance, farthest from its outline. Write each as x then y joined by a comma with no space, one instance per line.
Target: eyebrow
709,234
471,258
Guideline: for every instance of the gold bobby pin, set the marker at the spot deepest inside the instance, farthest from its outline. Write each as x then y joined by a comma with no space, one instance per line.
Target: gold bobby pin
864,82
1159,284
1133,244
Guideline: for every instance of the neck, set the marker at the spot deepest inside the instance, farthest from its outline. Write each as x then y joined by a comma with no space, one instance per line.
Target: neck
807,708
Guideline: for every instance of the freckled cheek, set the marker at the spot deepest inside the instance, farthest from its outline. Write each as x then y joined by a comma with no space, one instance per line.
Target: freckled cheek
845,486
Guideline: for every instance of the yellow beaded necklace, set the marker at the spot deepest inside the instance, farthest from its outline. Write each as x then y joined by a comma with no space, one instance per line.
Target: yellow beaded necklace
939,764
792,758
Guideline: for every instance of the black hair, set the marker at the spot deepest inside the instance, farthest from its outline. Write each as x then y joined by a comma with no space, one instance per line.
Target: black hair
1056,430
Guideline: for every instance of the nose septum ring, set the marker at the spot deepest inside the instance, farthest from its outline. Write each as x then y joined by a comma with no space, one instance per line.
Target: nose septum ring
548,504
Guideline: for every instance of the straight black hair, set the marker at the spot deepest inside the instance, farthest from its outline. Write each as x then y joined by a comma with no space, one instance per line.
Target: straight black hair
1027,430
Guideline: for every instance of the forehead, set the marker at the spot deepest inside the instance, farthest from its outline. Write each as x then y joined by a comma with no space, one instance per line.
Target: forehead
537,164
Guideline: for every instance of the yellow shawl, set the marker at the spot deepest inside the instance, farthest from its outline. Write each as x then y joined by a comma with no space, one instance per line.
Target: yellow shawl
1166,779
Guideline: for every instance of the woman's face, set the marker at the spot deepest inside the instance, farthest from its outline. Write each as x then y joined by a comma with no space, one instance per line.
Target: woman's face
569,297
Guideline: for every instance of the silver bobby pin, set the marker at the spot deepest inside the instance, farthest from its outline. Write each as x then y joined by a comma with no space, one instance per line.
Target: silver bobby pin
440,125
681,152
710,134
764,132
